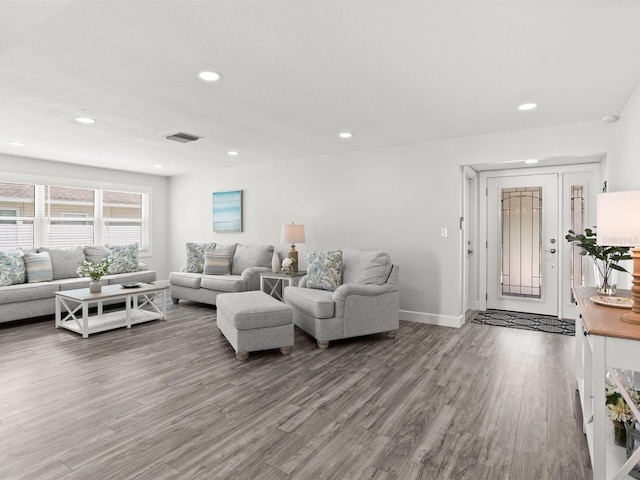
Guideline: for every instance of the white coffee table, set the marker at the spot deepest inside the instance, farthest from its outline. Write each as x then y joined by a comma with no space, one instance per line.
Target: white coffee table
72,307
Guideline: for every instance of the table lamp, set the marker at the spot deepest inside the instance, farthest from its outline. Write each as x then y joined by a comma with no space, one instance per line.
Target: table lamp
618,223
292,234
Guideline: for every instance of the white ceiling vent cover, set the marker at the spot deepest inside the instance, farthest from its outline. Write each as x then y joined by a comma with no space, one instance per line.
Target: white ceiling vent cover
182,137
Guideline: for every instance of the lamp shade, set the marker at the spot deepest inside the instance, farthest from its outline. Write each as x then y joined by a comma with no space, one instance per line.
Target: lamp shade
292,233
618,219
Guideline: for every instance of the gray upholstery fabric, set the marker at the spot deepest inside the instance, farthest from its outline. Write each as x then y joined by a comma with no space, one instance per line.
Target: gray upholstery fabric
251,256
317,303
365,267
115,279
184,279
25,292
65,261
201,295
32,308
231,248
358,309
250,275
258,338
97,253
75,283
249,310
224,283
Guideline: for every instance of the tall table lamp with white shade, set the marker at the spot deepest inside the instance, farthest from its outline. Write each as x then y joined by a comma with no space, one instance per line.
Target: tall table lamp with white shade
618,222
292,234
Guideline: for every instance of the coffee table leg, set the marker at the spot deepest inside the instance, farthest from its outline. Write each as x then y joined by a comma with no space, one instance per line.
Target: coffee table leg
85,319
58,312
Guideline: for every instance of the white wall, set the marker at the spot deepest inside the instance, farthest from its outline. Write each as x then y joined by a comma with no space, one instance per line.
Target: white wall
624,170
394,199
14,168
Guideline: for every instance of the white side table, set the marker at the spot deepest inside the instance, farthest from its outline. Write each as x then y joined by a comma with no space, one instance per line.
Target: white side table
272,281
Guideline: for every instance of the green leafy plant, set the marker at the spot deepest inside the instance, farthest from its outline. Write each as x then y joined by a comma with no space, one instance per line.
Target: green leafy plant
605,258
89,268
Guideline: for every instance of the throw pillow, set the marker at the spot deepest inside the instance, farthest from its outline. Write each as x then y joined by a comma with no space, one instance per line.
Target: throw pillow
12,269
217,263
365,267
38,266
195,256
251,256
64,261
97,253
124,258
324,270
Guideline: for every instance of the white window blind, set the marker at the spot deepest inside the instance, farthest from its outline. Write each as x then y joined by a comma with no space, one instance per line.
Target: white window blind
63,207
122,213
17,214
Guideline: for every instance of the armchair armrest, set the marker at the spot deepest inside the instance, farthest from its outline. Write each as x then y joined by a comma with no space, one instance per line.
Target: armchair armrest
344,291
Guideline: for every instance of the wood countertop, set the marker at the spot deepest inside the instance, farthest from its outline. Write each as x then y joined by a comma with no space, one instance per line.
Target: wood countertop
603,320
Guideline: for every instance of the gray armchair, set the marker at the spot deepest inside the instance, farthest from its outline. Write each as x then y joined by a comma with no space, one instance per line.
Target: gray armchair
366,303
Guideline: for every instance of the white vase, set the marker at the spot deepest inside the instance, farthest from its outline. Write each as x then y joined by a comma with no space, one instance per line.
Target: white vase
275,262
95,286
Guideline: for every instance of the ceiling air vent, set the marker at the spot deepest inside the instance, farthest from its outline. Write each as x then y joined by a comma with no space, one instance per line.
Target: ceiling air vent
182,137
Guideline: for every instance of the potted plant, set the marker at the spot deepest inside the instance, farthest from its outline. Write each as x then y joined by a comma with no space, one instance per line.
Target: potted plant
619,412
605,258
95,270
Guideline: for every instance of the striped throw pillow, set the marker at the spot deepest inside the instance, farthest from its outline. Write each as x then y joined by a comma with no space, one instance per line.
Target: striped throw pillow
217,263
38,266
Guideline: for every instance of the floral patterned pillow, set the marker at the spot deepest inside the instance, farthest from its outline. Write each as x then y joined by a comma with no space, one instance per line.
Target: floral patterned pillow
124,258
324,270
195,256
12,270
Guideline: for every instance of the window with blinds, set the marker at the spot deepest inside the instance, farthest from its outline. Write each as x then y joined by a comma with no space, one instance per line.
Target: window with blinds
17,214
58,216
122,213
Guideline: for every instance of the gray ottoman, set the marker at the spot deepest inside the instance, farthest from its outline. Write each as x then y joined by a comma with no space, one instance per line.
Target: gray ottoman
253,321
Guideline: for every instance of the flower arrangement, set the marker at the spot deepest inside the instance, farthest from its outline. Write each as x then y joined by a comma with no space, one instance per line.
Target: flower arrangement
617,407
89,268
287,265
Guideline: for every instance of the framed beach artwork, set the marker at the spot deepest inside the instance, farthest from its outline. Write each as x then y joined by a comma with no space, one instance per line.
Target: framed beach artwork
227,211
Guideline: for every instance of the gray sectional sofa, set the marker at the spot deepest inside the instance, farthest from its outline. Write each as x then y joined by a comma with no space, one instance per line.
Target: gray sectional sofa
194,283
27,300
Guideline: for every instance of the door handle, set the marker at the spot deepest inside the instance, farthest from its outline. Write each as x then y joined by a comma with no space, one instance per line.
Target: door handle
553,250
469,252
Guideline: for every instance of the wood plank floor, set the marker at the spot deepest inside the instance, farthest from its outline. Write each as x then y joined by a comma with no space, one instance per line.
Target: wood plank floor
168,400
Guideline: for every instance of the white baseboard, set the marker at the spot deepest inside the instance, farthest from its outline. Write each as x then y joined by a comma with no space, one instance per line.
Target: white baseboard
432,319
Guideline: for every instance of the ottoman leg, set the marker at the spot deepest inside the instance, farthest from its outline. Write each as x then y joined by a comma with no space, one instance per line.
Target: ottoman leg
323,345
285,350
392,334
175,300
242,356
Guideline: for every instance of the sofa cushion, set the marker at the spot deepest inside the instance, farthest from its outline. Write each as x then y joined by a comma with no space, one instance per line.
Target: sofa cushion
324,270
25,292
12,270
185,279
365,267
224,283
74,283
97,253
217,263
124,258
38,266
253,310
251,256
317,303
195,256
65,261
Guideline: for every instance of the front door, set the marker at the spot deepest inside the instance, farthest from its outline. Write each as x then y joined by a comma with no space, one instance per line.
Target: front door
522,243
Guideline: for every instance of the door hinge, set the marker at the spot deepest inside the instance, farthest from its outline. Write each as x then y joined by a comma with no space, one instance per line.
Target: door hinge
486,296
461,220
486,192
486,244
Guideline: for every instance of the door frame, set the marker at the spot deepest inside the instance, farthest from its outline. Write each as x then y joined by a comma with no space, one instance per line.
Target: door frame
470,228
592,172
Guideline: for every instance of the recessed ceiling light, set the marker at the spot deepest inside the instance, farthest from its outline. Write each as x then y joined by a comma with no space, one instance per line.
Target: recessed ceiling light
345,135
157,165
209,76
16,144
527,106
85,120
531,160
233,154
611,118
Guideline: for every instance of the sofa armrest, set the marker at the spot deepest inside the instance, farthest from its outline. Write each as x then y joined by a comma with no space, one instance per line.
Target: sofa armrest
250,275
302,283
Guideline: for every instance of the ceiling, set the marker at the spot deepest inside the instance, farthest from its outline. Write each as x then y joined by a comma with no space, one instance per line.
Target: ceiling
296,73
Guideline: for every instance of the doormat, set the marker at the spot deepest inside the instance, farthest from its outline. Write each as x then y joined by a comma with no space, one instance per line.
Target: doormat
525,321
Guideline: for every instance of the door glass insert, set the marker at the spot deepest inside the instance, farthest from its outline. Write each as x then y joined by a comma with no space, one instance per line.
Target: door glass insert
577,225
521,274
